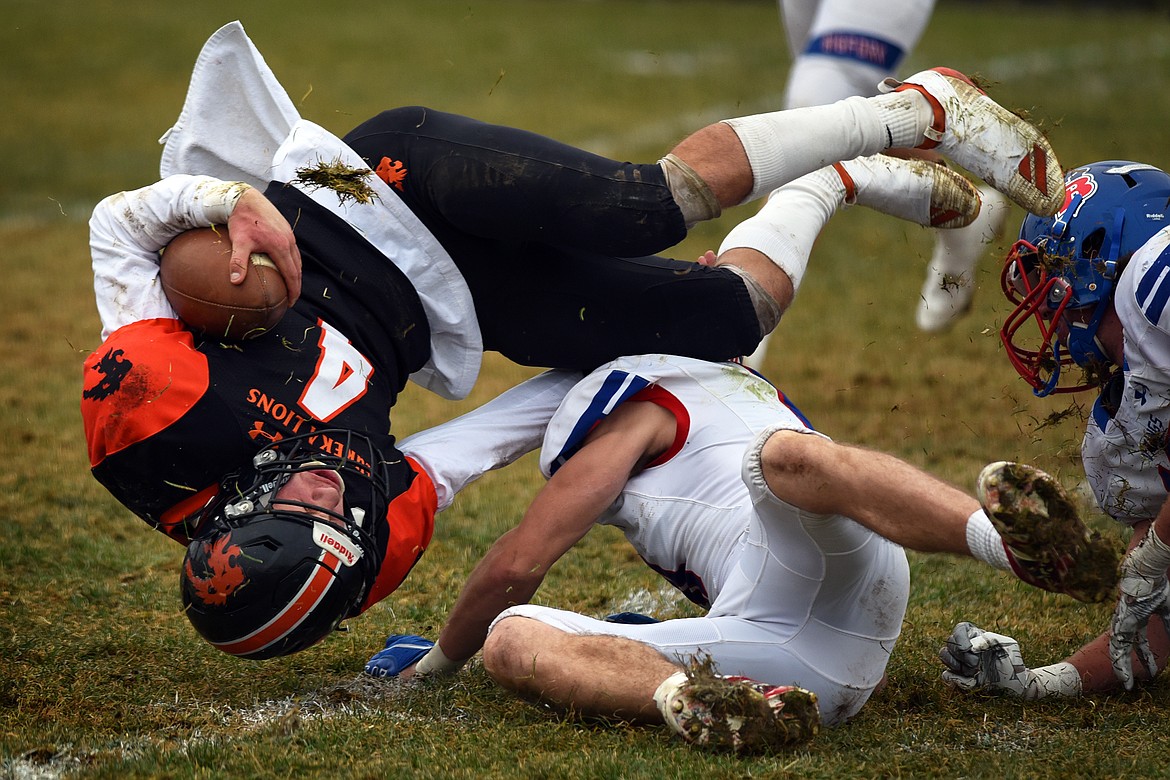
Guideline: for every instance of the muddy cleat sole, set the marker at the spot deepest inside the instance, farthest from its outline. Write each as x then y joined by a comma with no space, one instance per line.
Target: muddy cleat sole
916,190
1000,147
737,714
1046,543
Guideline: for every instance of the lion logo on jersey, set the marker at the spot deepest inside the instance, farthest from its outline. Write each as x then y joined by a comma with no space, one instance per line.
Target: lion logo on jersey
221,576
113,367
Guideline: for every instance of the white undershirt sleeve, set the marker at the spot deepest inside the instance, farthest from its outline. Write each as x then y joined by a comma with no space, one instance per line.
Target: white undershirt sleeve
128,229
460,451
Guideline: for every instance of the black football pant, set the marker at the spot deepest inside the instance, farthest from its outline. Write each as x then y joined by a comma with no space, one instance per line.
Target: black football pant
556,243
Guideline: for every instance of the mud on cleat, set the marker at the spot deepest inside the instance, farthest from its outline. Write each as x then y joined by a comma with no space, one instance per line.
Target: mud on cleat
920,191
1046,543
736,714
1001,148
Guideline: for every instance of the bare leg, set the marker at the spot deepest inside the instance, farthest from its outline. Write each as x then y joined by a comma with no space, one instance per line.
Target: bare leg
770,276
716,154
785,145
883,493
590,675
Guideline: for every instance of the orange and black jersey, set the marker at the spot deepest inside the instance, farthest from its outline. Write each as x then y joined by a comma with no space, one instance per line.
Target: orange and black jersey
546,249
168,412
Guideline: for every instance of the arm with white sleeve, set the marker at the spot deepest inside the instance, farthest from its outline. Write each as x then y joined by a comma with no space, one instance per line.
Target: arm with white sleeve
128,229
460,451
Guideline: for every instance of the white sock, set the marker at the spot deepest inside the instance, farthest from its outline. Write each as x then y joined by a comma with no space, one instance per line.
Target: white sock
784,145
789,223
985,542
666,689
957,251
905,115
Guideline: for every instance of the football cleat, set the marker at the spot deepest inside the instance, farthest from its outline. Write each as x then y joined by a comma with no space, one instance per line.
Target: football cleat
916,190
1047,545
949,287
736,714
999,147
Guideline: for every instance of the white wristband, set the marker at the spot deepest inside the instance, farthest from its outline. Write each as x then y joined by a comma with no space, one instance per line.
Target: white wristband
1061,679
436,662
1151,558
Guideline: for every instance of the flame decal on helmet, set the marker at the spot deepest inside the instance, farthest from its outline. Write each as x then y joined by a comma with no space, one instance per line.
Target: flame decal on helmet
224,576
1077,190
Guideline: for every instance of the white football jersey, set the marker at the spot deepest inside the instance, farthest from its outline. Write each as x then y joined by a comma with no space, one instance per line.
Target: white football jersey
1125,451
795,597
687,512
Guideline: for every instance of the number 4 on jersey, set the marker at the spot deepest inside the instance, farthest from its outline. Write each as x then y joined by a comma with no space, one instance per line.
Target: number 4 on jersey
341,377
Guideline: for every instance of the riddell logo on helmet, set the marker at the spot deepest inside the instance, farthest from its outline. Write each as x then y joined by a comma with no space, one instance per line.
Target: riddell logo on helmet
330,540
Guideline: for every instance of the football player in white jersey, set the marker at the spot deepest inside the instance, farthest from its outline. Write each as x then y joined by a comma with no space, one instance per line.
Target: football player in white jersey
846,48
725,490
1095,278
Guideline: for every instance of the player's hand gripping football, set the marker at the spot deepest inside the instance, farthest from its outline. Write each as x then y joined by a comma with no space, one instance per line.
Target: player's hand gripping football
982,660
257,226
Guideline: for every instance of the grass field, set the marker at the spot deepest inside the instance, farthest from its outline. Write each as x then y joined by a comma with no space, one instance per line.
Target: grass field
100,673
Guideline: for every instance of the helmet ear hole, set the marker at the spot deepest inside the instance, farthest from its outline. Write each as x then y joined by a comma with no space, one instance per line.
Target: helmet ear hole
1092,243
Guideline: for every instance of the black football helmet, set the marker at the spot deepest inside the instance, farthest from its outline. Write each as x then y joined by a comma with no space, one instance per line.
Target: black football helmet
260,582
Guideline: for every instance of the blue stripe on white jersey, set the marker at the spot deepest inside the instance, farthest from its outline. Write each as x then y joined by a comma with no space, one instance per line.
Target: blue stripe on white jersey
1153,291
616,387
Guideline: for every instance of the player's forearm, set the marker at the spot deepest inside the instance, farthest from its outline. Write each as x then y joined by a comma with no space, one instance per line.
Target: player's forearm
1162,523
493,586
513,569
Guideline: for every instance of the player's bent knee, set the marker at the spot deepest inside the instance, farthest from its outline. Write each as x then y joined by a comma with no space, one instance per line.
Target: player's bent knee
789,454
506,653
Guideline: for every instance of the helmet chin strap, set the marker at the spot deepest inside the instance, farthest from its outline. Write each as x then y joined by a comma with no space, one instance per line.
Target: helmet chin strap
1084,347
1054,377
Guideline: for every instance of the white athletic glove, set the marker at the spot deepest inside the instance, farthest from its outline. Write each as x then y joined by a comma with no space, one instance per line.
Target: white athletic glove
1144,592
978,659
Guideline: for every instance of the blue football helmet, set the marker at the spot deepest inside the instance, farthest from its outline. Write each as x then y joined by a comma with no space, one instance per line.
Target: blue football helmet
1062,270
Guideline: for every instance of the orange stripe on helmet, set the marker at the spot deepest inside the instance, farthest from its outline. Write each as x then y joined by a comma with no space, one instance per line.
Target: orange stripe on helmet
310,595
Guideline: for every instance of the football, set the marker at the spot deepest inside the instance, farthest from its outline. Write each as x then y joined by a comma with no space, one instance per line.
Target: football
194,275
